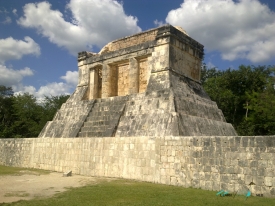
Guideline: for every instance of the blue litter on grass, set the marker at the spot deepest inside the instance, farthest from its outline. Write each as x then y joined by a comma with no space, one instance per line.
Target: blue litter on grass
225,193
248,194
220,192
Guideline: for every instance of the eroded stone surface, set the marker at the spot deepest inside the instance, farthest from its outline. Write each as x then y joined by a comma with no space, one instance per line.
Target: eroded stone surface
231,163
142,85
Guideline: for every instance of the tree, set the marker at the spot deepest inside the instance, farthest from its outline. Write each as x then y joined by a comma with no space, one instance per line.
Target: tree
260,109
207,73
51,104
230,89
6,111
22,116
27,116
6,91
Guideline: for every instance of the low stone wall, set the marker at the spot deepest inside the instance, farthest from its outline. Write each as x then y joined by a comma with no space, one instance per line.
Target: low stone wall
211,163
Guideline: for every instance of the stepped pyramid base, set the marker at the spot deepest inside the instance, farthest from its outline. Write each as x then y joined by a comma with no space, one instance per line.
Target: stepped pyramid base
147,84
156,113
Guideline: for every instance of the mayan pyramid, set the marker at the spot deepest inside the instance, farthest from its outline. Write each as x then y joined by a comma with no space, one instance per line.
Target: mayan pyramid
147,84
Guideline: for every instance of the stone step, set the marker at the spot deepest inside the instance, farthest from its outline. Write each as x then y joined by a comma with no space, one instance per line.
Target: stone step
103,119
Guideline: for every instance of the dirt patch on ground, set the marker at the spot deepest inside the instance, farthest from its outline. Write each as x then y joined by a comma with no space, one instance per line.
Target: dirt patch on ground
30,185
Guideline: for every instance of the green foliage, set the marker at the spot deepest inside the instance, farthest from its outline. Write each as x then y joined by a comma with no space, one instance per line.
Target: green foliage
5,170
23,116
246,97
262,112
28,115
207,73
6,111
5,91
51,105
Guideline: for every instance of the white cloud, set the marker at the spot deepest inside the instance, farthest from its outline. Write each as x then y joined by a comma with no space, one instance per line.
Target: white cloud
50,89
4,11
158,23
14,11
14,49
94,22
54,89
71,78
11,77
243,29
58,88
210,65
7,20
21,89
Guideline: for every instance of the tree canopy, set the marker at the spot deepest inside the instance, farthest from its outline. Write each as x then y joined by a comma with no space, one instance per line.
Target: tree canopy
23,116
246,96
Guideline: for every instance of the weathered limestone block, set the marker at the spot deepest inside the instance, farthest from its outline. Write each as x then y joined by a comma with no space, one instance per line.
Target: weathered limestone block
147,84
201,162
70,118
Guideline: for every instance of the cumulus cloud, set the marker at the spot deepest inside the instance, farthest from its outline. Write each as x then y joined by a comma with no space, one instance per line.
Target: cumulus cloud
7,20
57,88
4,11
11,77
50,89
158,23
54,89
94,22
21,89
71,78
14,11
242,29
14,49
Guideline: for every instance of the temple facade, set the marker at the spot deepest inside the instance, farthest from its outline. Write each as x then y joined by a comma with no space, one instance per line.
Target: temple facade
147,84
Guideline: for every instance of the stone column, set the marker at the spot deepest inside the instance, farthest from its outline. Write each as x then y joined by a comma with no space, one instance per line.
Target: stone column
92,82
109,81
144,74
113,81
105,81
83,75
133,76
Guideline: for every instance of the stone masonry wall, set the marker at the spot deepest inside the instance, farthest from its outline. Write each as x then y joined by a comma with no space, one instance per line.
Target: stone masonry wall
184,60
123,79
232,163
132,40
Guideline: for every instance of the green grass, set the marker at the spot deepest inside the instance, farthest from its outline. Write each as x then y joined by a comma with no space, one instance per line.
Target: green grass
124,192
4,170
17,194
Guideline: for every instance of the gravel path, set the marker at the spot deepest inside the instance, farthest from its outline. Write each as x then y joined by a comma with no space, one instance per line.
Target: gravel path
30,185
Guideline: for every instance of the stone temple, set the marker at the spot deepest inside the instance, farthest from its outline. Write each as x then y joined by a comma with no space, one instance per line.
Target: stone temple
147,84
139,112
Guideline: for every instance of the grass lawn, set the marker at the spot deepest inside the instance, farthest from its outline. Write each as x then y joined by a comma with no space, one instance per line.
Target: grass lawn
125,192
4,170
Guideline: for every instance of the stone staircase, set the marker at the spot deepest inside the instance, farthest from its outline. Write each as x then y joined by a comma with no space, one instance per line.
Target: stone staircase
70,117
104,117
149,114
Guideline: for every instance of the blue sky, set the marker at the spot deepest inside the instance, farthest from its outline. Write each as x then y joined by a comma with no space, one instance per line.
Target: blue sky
39,40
